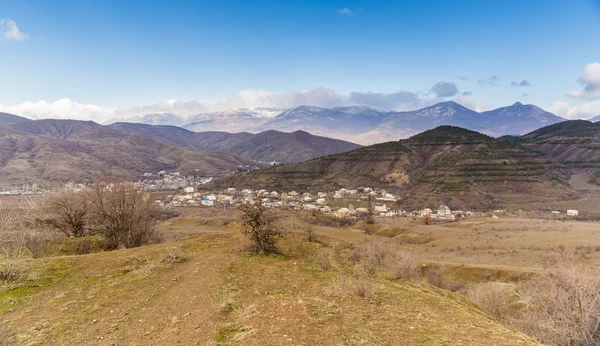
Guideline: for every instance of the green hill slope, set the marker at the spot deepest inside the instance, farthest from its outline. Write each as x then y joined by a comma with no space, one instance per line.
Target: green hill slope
217,295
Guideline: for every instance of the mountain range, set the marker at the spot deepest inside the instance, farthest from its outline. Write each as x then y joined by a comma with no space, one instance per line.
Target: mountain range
359,124
41,151
267,146
58,151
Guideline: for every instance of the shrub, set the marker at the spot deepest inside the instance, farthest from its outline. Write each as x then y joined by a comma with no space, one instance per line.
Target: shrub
122,213
564,307
492,297
363,287
366,269
310,234
14,265
403,266
353,254
258,225
325,258
378,251
435,276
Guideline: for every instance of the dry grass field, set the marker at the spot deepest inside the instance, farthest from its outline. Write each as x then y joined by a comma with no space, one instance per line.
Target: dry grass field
199,287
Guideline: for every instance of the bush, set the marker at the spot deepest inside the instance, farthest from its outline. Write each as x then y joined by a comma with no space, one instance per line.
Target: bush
403,266
325,258
258,224
564,307
14,265
378,252
353,254
363,287
492,297
310,234
122,213
435,276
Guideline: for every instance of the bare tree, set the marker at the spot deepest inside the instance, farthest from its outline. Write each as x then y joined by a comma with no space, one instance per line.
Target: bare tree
67,211
259,226
122,213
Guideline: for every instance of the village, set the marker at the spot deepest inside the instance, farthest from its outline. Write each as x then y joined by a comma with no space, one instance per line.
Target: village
341,203
185,191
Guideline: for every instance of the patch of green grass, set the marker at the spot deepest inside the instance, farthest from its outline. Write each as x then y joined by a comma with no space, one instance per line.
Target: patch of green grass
45,273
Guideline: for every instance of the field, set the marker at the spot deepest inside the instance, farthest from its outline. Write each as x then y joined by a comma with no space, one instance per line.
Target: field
589,205
199,287
13,209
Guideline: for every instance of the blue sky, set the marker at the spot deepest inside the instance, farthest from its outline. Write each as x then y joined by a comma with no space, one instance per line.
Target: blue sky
123,53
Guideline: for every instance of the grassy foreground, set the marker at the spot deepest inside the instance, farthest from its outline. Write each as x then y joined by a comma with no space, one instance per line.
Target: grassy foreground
204,291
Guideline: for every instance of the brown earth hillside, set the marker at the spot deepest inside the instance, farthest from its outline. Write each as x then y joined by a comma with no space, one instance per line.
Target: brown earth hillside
265,146
210,293
450,165
46,151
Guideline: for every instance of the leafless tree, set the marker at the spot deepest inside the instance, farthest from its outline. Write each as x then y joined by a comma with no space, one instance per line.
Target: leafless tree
259,225
122,213
67,211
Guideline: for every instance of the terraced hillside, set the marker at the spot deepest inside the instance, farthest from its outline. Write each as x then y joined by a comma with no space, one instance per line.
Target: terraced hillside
451,165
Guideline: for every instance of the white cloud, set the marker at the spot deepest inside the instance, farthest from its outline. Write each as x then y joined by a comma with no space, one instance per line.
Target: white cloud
590,82
59,109
346,12
10,31
583,111
249,98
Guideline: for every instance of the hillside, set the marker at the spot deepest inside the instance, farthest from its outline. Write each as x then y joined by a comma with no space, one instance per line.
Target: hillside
10,118
451,165
204,291
44,151
266,146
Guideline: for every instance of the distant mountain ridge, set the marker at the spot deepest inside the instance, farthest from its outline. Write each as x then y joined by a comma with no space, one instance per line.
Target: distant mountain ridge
267,146
10,118
363,125
59,151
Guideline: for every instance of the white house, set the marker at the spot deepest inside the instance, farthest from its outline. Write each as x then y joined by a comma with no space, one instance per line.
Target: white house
189,189
381,208
572,212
